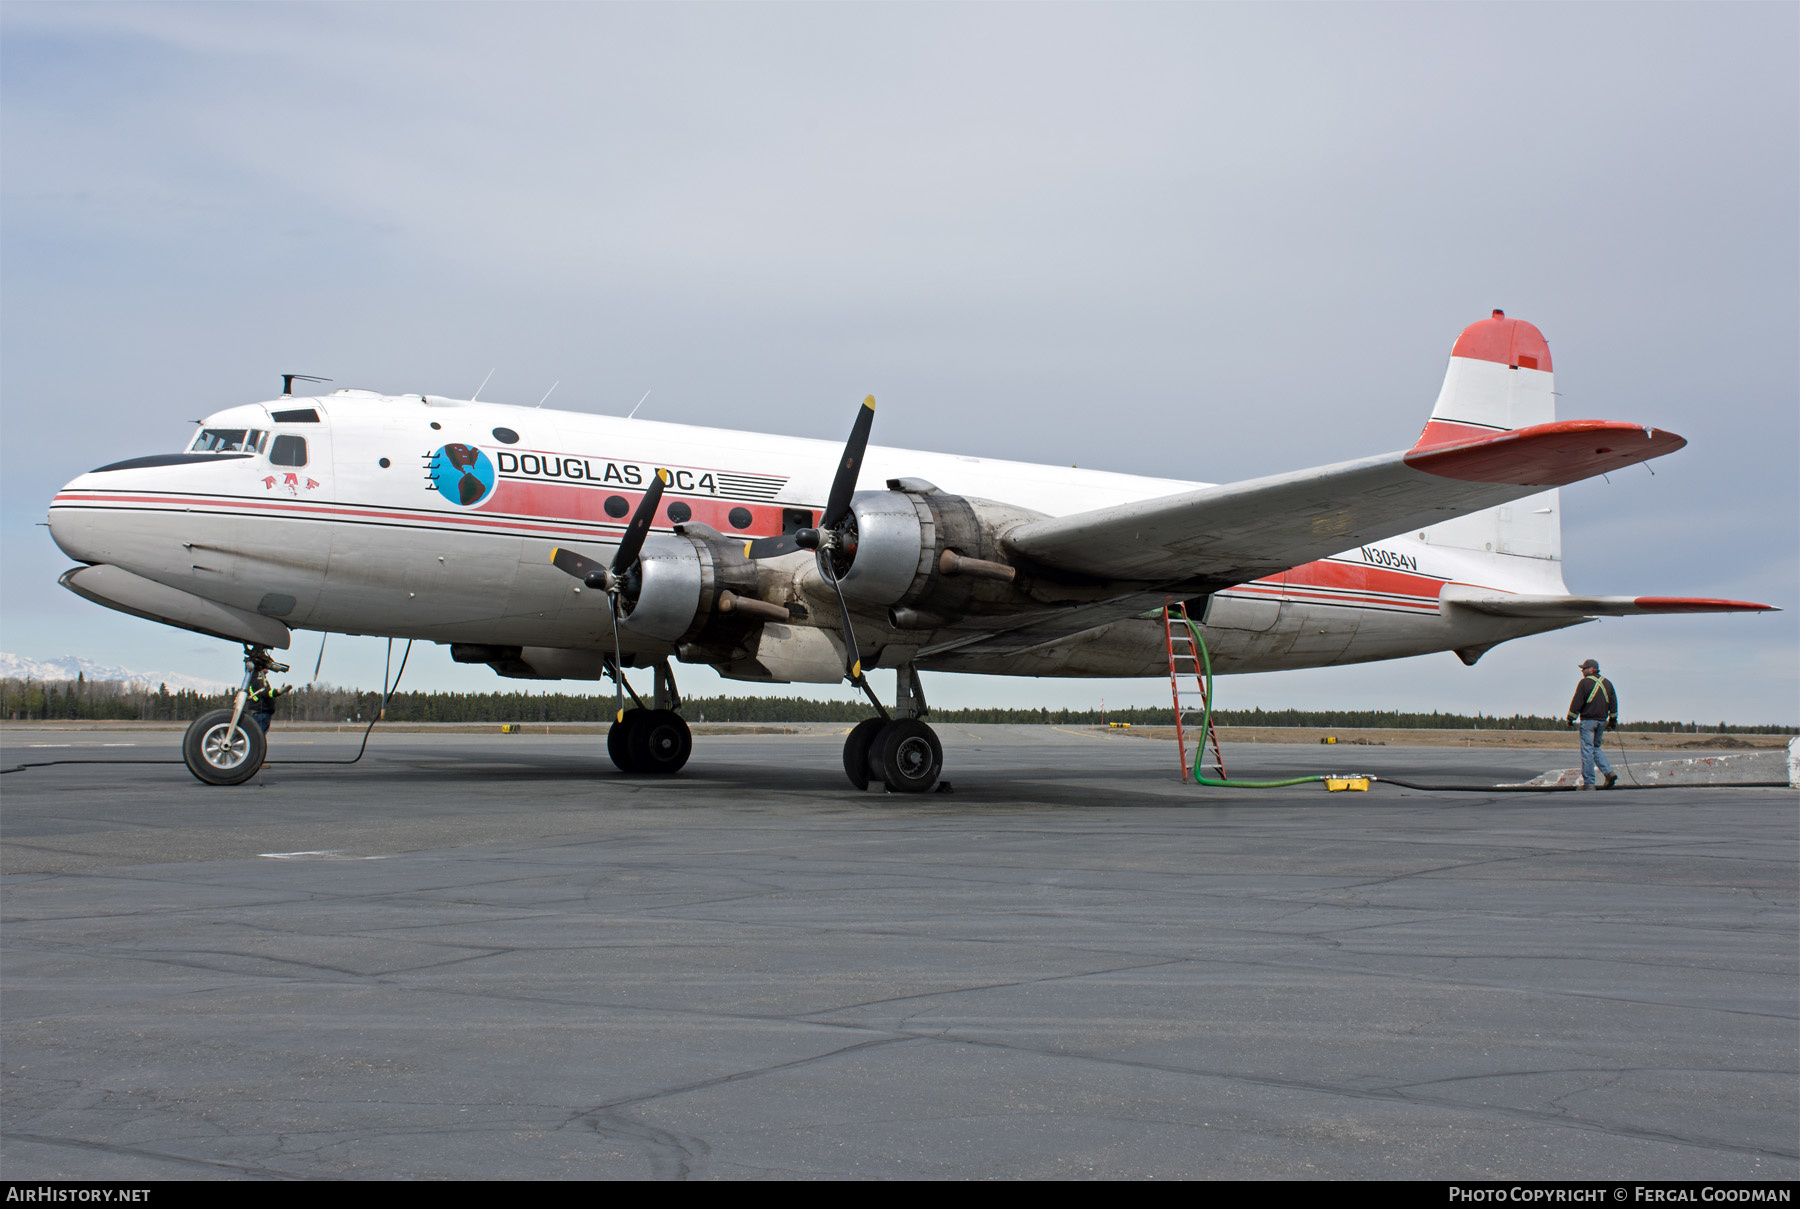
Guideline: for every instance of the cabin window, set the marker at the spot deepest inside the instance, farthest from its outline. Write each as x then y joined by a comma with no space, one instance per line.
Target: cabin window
229,440
288,451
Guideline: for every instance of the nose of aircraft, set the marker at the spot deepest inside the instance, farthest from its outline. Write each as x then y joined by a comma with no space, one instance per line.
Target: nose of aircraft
82,514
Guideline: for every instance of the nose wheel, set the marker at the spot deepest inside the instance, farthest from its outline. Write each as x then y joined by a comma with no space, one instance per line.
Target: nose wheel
222,750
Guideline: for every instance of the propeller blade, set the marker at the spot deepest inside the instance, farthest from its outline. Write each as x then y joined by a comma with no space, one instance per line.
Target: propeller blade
771,547
843,485
579,565
639,528
853,670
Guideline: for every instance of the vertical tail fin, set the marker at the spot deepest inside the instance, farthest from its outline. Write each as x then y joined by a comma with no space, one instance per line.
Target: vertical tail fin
1499,378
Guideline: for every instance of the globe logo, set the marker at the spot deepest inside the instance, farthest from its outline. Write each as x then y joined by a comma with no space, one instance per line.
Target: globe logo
462,474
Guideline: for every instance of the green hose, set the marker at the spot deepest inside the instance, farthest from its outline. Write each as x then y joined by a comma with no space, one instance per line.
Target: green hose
1201,778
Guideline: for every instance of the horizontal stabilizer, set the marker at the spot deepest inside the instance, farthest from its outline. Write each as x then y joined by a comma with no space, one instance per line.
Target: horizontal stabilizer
1243,531
1497,604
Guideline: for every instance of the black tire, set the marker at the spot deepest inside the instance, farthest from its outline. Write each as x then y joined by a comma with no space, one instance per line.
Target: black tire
618,740
908,756
661,742
219,756
856,750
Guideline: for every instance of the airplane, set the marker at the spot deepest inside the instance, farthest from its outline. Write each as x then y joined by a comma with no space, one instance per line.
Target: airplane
563,545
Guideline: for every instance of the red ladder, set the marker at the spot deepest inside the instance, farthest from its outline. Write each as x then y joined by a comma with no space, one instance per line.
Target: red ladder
1190,703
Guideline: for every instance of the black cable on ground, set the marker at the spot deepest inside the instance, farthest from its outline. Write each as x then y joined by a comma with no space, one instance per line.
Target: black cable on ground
1570,788
49,763
386,695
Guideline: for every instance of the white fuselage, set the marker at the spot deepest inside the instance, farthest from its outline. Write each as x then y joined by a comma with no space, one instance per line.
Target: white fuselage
435,519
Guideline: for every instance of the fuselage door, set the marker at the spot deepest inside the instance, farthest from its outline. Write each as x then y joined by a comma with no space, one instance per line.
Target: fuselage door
287,552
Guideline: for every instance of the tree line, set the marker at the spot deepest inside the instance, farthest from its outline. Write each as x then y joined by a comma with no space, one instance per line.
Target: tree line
107,700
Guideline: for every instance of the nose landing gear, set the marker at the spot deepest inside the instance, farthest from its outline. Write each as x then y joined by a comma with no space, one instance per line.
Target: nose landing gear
219,747
901,752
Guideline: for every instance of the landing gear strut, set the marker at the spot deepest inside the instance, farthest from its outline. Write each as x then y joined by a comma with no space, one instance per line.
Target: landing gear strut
653,740
223,747
901,751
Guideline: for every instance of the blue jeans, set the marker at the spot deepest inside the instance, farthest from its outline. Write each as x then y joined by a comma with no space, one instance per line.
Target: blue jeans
1593,736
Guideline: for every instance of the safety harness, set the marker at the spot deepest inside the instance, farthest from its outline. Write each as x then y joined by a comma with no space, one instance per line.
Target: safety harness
1599,684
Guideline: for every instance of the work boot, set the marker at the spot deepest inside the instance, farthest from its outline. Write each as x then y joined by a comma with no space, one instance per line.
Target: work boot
1611,779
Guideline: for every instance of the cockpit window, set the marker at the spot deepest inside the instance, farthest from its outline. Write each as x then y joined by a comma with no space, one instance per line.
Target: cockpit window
229,440
288,451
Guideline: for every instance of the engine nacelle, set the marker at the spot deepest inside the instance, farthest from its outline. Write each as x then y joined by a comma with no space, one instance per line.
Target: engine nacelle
895,540
919,549
694,585
663,592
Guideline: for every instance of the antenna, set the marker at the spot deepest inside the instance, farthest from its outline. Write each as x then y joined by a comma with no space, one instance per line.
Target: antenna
640,403
547,393
483,385
288,380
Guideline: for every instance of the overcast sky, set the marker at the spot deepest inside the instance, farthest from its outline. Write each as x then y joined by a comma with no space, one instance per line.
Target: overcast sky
1195,241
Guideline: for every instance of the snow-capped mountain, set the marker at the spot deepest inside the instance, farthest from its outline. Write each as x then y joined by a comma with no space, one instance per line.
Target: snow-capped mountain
66,668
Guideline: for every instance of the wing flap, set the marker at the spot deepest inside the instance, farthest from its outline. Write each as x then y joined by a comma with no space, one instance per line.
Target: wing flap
1243,531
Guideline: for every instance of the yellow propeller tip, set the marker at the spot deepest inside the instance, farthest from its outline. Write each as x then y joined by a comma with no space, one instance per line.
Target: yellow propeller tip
869,402
856,669
664,476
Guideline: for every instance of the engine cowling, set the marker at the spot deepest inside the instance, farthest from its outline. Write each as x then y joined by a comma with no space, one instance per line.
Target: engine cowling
894,546
917,548
693,586
663,591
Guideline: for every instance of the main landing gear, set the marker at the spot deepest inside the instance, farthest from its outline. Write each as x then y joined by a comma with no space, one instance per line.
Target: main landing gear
654,740
901,752
224,747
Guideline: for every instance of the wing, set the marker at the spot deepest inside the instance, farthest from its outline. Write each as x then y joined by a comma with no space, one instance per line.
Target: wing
1244,531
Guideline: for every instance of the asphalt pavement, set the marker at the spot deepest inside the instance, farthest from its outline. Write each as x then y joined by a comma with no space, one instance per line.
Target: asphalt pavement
493,956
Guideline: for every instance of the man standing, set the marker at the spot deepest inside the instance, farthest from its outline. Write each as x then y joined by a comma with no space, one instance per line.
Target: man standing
1595,708
260,700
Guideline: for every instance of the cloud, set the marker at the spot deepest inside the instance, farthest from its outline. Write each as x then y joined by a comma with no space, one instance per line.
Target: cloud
1199,242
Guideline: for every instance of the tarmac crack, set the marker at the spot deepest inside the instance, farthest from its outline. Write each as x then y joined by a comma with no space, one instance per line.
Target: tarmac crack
139,1152
1526,1114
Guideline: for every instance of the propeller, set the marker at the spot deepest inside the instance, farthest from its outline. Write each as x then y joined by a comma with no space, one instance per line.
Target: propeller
830,535
834,539
616,579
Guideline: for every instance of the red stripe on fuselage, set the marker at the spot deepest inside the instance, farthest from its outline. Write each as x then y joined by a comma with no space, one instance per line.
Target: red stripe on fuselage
533,497
765,518
1349,583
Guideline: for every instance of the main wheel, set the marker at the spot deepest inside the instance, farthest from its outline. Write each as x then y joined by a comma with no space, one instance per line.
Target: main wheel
907,755
220,754
661,742
856,750
618,740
